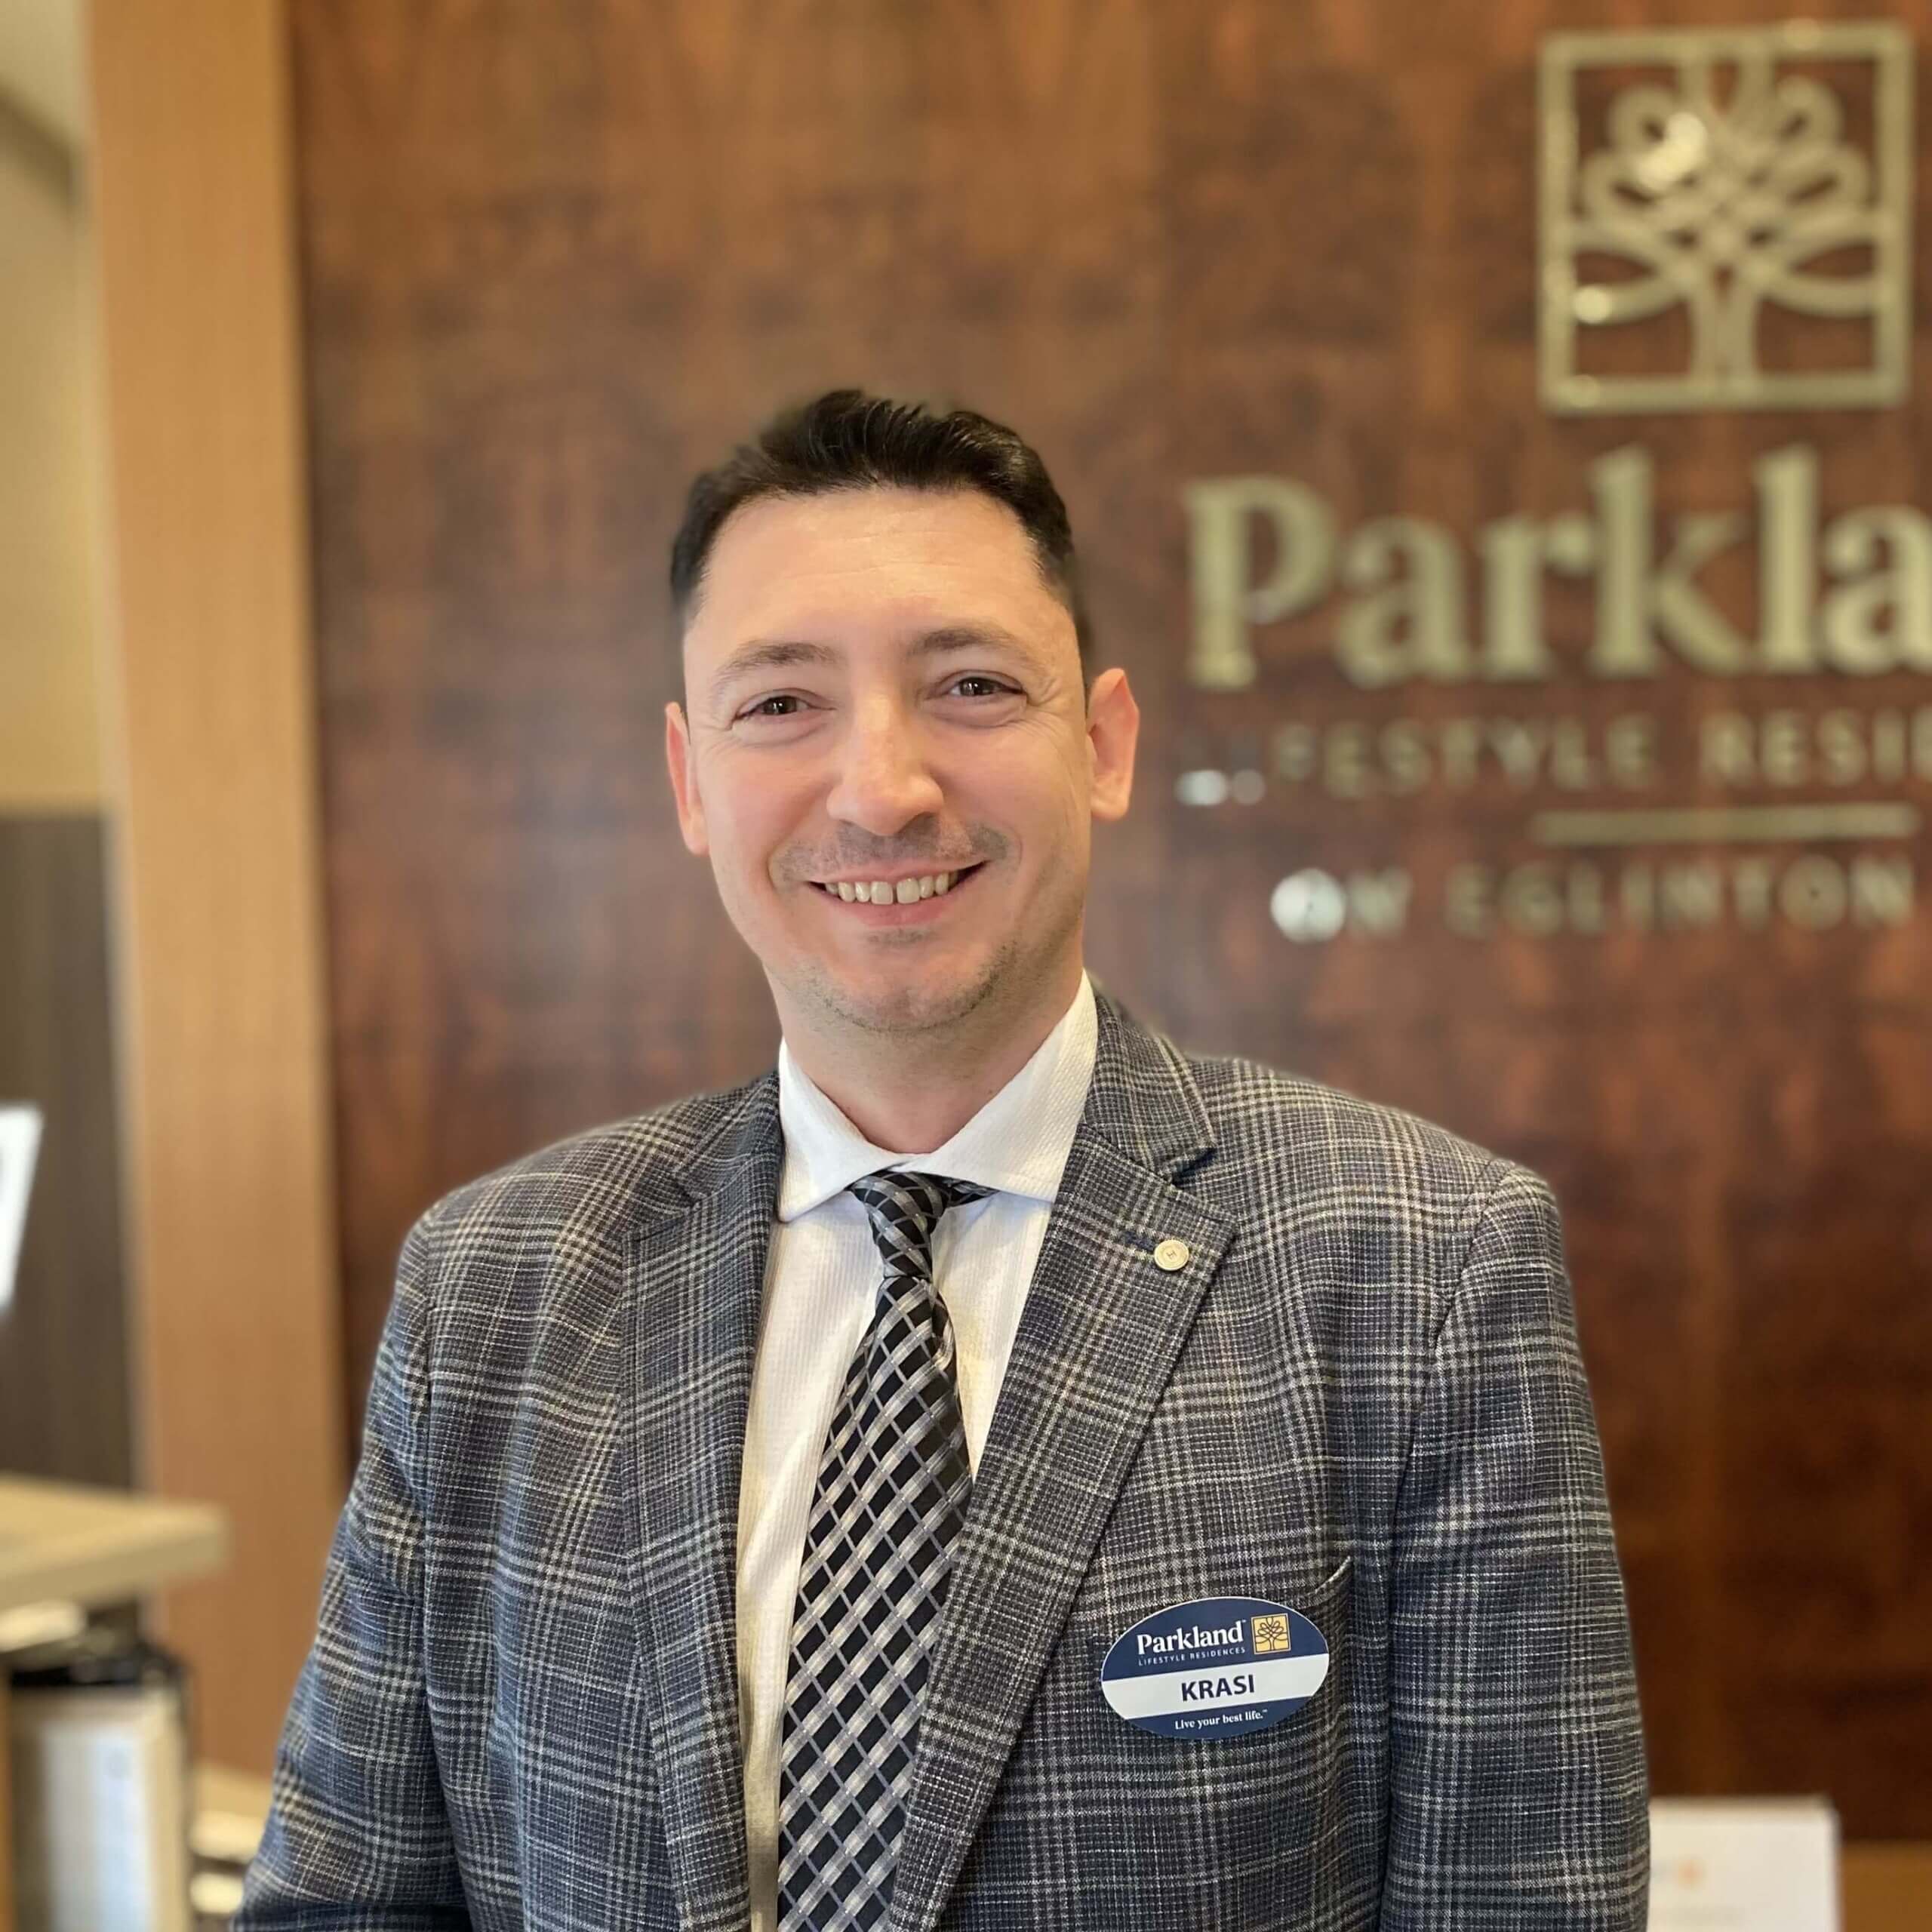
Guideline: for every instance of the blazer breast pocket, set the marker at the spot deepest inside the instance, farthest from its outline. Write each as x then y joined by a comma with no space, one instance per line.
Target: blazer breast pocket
1226,1831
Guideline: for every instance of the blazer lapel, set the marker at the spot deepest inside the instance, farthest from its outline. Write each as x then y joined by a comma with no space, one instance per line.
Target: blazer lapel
696,1280
1102,1327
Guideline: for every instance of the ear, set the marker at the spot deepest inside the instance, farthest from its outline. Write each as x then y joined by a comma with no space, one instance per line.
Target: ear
1113,730
682,762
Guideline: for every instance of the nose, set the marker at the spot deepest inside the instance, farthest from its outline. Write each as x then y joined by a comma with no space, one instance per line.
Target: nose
884,781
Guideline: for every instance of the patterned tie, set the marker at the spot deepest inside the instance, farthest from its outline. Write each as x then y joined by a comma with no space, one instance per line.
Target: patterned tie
893,1487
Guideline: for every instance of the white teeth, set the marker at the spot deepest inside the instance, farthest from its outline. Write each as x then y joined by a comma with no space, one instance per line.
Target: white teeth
888,892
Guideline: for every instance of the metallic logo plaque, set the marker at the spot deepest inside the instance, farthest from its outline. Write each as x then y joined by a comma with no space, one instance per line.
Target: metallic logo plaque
1732,172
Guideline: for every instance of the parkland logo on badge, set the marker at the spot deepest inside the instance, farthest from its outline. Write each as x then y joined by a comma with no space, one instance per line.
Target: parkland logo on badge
1271,1633
1219,1667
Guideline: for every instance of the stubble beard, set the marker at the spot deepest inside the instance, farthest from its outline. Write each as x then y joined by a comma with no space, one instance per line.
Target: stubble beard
961,1015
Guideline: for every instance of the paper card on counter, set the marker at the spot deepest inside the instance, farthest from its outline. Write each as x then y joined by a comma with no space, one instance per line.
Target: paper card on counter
1743,1865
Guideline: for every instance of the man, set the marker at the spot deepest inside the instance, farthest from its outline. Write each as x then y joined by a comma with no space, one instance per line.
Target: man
996,1470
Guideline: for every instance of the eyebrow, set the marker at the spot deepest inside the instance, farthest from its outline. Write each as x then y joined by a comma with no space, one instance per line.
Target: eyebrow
781,654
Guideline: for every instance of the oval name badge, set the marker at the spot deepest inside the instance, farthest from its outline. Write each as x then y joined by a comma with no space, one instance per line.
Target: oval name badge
1219,1667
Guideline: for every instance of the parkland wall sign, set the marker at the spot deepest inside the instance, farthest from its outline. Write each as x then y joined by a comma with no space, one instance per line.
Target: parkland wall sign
1721,716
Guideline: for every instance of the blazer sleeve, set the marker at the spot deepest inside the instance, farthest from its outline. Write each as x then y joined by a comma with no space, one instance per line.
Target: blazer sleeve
1517,1788
358,1839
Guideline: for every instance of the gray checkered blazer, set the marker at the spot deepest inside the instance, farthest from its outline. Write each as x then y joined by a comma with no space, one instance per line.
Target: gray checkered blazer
1362,1395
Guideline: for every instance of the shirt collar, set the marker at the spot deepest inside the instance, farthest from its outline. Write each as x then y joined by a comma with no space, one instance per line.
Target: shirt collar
1016,1143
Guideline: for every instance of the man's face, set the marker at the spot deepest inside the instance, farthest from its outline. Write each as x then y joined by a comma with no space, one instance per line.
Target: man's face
883,693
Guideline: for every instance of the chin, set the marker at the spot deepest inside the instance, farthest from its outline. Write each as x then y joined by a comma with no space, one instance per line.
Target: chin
910,1002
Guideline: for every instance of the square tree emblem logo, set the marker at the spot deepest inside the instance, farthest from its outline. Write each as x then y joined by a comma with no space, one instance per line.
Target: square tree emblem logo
1271,1633
1726,218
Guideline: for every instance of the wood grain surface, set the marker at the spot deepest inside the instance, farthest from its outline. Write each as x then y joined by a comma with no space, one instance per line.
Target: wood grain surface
216,893
556,257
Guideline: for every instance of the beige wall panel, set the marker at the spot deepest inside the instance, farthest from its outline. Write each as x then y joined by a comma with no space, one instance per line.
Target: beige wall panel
233,1252
50,750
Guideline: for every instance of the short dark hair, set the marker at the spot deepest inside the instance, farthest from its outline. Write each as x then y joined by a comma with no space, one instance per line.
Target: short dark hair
847,440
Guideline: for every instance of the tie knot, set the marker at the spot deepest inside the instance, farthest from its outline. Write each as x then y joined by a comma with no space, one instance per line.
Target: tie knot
905,1208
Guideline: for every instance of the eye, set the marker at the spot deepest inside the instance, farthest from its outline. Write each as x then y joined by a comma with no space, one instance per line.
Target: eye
780,704
988,686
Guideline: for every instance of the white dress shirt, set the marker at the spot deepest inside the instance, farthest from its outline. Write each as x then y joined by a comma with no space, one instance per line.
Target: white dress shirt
821,1283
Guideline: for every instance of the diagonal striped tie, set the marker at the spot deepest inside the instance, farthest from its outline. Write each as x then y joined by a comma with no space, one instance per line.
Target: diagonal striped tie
893,1487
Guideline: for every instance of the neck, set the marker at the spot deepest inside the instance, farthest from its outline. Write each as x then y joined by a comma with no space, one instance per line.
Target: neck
909,1094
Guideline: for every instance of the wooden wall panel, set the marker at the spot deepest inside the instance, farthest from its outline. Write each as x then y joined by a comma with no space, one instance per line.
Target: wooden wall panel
219,945
557,257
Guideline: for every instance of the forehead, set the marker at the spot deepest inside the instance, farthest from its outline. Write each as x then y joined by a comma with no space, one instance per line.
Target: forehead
854,561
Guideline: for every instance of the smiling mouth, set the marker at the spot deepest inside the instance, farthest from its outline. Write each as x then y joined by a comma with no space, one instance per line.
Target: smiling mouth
897,892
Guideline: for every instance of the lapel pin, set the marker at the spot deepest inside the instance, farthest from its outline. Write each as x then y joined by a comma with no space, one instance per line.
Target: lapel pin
1171,1254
